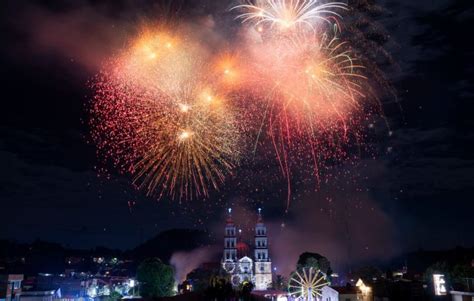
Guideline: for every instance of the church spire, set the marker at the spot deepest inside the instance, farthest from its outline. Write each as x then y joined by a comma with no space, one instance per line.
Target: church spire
229,216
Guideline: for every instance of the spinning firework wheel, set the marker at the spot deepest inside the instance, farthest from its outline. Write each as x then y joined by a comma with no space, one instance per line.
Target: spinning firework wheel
307,283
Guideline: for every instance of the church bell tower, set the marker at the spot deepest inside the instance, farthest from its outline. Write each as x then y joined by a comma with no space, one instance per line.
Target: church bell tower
230,240
263,264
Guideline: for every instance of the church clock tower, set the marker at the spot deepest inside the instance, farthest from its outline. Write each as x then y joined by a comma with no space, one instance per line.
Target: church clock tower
263,264
230,244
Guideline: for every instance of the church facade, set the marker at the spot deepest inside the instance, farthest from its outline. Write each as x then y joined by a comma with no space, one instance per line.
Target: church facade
243,265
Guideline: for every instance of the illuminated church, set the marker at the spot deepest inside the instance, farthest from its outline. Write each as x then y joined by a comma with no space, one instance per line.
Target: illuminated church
240,263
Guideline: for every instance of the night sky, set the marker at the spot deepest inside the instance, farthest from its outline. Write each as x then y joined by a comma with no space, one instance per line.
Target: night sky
414,191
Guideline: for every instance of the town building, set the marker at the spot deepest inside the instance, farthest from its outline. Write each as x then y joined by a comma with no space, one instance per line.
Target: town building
10,286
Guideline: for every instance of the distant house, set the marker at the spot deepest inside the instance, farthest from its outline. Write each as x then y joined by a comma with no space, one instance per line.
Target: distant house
10,286
364,290
361,292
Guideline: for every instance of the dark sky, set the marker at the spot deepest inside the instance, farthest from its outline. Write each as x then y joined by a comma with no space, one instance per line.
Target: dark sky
416,193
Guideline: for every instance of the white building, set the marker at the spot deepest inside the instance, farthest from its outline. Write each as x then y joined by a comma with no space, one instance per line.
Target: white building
237,259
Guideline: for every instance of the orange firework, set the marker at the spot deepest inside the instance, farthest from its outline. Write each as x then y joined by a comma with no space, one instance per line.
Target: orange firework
159,114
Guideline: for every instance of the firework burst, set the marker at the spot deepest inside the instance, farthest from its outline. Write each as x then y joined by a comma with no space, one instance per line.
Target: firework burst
289,14
312,92
160,116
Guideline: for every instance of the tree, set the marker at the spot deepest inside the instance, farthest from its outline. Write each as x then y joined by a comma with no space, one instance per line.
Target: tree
436,268
280,283
455,275
245,289
314,260
219,289
201,278
156,278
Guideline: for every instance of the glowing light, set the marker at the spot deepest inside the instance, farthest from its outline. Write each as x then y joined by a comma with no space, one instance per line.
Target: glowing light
288,13
184,135
439,284
184,107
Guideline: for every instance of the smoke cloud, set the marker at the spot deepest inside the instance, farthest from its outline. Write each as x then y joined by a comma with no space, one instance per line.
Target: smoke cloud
339,220
88,34
185,262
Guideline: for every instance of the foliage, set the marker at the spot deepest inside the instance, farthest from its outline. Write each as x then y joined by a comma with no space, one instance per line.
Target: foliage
315,260
219,289
202,278
156,278
436,268
280,283
455,275
245,288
